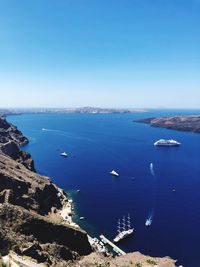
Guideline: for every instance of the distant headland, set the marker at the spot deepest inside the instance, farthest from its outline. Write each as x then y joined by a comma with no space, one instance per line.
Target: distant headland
89,110
180,123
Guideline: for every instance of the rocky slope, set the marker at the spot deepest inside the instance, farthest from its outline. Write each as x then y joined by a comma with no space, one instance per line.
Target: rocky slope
36,236
22,187
180,123
135,259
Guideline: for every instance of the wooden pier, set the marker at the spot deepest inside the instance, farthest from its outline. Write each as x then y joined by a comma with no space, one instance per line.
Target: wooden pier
116,249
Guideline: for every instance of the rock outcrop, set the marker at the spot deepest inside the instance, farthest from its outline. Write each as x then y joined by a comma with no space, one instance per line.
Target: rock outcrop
135,259
179,123
9,132
10,141
38,237
26,188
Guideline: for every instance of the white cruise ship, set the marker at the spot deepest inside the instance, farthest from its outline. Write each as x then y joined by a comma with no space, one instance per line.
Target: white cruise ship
163,142
123,229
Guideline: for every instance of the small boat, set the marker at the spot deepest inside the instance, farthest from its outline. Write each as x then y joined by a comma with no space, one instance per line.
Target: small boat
114,173
43,129
78,190
82,218
148,222
64,154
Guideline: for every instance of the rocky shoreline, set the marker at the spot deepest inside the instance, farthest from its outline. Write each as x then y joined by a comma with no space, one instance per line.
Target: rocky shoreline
180,123
36,227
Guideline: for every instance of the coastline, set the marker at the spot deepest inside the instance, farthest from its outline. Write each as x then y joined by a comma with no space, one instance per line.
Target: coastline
186,123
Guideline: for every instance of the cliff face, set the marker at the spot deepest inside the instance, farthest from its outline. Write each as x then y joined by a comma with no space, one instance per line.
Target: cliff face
10,141
9,132
22,187
33,235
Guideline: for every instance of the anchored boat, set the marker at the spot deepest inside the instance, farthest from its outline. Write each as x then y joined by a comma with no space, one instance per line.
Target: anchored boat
163,142
64,154
114,173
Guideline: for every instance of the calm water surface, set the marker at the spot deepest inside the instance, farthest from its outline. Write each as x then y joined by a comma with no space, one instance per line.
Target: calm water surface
97,144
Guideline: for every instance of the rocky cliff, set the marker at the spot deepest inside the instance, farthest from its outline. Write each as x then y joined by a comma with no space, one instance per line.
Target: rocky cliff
36,236
10,141
179,123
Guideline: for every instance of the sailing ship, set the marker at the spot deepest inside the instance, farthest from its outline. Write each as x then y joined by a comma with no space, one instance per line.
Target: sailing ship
123,228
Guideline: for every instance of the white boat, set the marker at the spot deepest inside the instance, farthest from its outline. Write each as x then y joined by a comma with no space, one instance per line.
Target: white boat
148,222
64,154
124,229
114,173
82,218
163,142
43,129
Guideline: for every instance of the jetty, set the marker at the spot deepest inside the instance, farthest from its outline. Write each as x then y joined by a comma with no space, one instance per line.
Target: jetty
115,248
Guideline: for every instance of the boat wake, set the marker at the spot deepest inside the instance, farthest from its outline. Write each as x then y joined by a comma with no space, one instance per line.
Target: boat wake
149,220
152,169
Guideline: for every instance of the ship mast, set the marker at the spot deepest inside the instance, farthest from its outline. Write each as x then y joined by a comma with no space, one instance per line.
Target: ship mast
129,221
124,223
119,226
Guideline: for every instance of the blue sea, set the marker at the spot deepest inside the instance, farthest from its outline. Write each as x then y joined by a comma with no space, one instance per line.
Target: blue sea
98,143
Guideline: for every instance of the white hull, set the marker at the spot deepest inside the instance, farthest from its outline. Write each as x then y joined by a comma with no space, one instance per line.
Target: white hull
114,173
122,235
64,154
163,142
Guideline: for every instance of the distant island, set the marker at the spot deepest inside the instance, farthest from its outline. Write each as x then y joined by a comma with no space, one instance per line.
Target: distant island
180,123
90,110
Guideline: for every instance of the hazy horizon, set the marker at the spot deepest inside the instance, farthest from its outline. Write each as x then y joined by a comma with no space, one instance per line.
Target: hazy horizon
122,54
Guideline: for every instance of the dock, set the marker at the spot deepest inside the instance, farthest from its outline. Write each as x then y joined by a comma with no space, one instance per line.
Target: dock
115,248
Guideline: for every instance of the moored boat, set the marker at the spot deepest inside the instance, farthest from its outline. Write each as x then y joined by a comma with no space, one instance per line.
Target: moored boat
170,142
124,229
64,154
114,173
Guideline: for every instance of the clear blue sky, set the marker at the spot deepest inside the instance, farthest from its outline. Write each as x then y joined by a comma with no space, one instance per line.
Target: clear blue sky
117,53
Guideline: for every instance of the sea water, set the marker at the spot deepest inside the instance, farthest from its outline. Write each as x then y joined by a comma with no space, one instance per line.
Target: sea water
99,143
